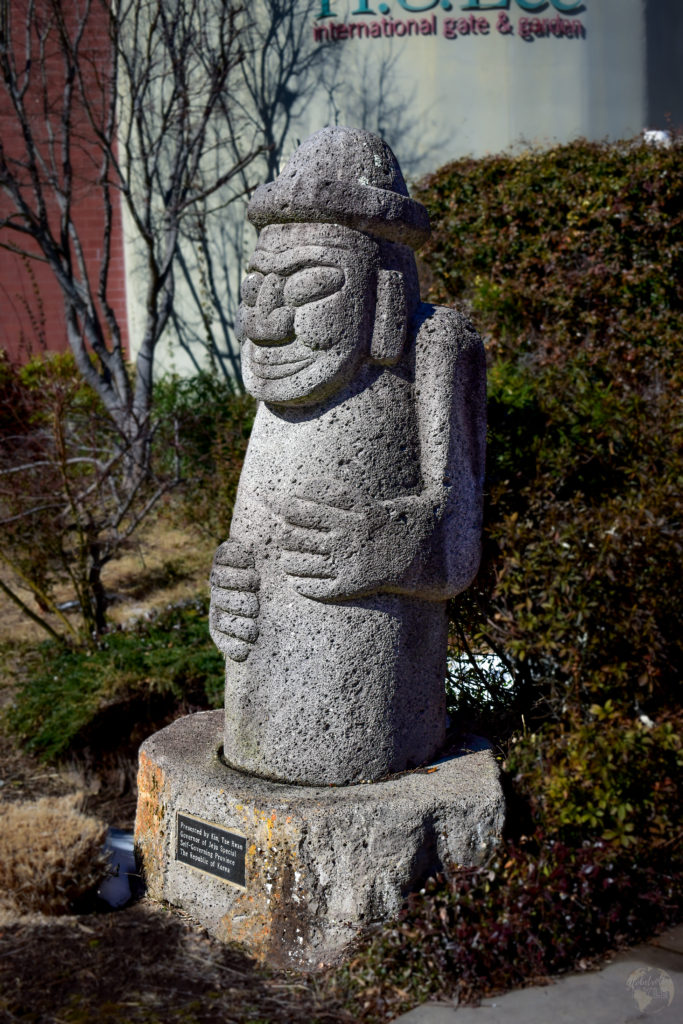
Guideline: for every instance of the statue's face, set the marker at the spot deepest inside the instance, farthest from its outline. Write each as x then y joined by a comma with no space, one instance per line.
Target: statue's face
307,311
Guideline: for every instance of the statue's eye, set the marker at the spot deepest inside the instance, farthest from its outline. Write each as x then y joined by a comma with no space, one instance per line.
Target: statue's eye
311,284
250,288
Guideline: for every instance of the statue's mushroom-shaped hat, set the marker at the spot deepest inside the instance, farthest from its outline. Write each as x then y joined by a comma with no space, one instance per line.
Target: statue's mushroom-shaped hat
343,176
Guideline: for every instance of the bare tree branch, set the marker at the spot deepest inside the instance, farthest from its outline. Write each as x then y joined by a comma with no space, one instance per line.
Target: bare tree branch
130,104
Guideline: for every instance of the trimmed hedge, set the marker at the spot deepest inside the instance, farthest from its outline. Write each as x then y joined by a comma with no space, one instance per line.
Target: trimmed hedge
571,262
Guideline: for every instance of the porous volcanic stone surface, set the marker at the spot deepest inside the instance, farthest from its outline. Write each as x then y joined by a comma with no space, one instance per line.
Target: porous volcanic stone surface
322,863
358,512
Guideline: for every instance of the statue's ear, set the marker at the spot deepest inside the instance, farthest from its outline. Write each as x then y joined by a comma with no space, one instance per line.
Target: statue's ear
391,315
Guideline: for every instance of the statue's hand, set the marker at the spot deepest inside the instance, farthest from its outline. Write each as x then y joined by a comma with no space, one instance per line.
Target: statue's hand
334,552
234,600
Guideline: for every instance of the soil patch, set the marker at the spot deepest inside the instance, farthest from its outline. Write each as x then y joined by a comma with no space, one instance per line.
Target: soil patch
144,965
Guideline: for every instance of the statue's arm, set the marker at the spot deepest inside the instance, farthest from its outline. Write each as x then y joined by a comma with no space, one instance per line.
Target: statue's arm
450,389
425,544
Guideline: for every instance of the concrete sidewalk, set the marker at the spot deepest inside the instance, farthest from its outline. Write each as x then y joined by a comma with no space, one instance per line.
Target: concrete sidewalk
638,984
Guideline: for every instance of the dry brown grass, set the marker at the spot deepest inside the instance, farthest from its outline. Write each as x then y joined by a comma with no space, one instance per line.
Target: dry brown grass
50,854
162,565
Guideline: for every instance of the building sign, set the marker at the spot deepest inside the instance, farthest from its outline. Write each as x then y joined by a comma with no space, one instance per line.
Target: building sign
372,20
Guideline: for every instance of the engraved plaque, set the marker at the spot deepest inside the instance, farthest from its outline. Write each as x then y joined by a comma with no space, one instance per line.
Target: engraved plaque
211,848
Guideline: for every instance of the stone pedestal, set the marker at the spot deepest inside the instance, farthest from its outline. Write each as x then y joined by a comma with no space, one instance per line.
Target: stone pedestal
296,873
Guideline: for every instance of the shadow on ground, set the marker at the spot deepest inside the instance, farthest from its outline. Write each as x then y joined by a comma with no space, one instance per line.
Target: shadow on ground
144,965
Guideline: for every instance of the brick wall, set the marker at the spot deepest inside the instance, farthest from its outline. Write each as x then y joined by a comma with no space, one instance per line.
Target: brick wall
31,304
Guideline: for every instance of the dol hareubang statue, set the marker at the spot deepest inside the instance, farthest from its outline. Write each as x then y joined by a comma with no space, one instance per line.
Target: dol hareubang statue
357,516
359,506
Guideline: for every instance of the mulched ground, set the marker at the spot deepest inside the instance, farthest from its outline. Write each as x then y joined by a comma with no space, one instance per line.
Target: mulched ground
144,965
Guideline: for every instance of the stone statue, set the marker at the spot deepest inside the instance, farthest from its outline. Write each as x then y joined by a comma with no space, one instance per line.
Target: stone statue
358,512
357,516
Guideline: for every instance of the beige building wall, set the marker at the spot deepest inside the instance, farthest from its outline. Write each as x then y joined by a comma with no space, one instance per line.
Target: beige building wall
505,78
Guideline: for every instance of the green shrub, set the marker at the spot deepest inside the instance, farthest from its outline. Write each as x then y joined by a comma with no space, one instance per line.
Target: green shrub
116,693
610,778
572,262
539,908
213,428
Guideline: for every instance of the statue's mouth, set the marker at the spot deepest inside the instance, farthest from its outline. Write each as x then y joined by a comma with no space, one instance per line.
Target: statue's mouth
276,369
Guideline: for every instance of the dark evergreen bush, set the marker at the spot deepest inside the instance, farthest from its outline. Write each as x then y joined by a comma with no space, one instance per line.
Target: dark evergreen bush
571,262
111,696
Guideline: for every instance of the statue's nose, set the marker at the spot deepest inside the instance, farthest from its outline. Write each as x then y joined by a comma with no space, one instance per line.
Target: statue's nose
270,321
270,294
